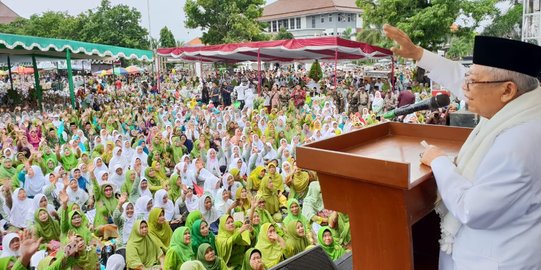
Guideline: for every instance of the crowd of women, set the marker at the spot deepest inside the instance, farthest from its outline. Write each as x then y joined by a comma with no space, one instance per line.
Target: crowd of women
162,181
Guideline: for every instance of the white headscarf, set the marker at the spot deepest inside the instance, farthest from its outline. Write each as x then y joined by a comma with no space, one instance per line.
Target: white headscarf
115,262
118,159
115,178
243,168
33,185
6,240
143,156
211,215
145,192
101,168
213,164
19,210
128,223
221,205
168,207
127,151
141,211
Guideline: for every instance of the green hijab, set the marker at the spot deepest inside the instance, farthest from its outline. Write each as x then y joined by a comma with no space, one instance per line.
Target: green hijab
192,265
229,247
174,190
141,250
291,217
184,251
6,173
271,252
128,184
82,230
49,230
4,262
70,161
198,239
214,265
246,263
269,195
192,217
295,243
177,150
333,250
161,233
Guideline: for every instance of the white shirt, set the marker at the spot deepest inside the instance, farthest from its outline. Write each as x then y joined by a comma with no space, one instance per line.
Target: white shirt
501,208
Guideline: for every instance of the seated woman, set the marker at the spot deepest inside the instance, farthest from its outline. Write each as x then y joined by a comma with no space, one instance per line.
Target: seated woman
209,211
207,256
159,229
231,242
252,260
201,234
340,228
269,193
142,252
180,250
271,245
10,245
45,226
296,241
325,239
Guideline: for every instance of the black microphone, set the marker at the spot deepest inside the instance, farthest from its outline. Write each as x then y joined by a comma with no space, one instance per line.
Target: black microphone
429,104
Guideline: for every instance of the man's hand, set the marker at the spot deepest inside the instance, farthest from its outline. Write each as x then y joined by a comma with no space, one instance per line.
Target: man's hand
431,152
406,48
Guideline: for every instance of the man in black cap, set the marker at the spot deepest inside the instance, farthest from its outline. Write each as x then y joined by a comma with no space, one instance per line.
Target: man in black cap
490,201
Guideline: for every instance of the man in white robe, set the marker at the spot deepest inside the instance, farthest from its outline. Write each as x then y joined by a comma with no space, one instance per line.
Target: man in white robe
491,195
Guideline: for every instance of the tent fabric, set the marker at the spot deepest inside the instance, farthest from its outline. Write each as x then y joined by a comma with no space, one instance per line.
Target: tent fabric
56,48
292,50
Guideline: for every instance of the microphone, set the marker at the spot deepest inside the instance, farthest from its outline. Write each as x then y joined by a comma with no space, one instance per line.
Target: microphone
429,104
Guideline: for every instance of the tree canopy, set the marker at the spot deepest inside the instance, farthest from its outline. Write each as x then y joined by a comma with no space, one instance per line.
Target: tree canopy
167,39
283,34
226,21
114,25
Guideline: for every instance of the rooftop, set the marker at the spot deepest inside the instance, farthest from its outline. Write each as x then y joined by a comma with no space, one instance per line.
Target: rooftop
292,8
7,15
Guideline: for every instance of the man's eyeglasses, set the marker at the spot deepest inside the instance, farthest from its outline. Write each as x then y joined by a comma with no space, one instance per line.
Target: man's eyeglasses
470,82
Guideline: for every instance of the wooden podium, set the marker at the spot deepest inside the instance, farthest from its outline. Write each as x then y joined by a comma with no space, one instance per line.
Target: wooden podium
375,176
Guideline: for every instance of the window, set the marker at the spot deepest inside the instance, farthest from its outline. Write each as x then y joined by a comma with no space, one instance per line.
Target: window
313,21
339,17
322,19
286,23
350,18
292,23
330,17
298,23
273,26
280,25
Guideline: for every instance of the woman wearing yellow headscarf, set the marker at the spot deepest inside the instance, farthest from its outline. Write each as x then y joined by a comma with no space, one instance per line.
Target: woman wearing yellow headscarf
298,182
231,242
268,192
159,229
142,252
297,241
254,180
271,245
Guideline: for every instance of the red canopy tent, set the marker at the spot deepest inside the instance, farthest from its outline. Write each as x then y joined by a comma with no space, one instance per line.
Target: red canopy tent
291,50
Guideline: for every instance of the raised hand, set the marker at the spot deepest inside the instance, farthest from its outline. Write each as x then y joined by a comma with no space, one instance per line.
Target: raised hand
406,48
63,196
29,246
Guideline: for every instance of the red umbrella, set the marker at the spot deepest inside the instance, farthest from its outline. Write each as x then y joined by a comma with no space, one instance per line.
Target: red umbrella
22,70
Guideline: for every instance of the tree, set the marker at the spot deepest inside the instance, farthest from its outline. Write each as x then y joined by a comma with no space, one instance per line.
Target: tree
347,34
283,34
167,39
316,73
115,25
508,24
49,24
226,21
459,47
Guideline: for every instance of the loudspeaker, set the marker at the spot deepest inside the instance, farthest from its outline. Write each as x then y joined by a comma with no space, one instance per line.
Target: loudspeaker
313,259
463,119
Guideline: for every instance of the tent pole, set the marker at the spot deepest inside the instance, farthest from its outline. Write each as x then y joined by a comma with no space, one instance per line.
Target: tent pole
70,78
258,71
393,81
37,86
9,72
335,66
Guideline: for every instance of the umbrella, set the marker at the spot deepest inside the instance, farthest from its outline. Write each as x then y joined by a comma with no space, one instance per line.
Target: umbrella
133,69
100,72
22,70
3,72
120,71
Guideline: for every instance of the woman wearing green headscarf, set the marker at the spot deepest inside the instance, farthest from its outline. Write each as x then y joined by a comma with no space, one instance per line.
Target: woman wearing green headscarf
68,159
142,251
252,260
192,218
175,185
267,191
154,182
325,239
294,214
298,182
106,202
192,265
45,226
271,245
206,254
7,171
180,250
231,242
48,165
254,179
158,228
84,258
177,149
97,152
297,241
128,185
201,234
340,228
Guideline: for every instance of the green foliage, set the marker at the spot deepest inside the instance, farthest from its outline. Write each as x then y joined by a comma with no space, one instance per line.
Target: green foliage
226,21
113,25
283,34
426,22
316,73
347,34
460,46
167,39
507,25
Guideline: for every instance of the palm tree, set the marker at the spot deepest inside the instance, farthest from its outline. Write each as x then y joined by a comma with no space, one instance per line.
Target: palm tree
348,33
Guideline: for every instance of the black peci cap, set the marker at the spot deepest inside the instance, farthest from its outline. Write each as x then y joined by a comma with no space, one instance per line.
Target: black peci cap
507,54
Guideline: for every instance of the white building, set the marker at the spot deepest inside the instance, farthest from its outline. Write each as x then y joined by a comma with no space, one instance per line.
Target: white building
312,18
531,23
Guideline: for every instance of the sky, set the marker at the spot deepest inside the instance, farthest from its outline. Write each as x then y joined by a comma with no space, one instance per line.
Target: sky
168,13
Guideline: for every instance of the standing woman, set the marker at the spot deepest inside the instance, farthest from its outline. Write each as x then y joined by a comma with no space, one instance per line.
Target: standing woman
158,228
231,242
207,255
142,252
180,250
271,245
